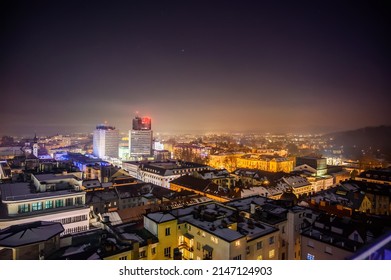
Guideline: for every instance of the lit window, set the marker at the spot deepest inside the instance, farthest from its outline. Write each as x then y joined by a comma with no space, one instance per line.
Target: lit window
48,204
23,208
271,254
310,257
36,206
237,243
59,203
214,239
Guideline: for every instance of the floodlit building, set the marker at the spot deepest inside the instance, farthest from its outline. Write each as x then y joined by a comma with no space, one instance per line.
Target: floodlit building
266,163
140,138
161,173
319,164
106,141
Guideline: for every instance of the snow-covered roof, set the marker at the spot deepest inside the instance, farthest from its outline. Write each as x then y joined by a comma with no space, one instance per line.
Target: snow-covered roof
160,217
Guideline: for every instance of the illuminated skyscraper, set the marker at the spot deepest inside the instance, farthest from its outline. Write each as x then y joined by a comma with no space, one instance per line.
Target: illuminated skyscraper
106,141
140,137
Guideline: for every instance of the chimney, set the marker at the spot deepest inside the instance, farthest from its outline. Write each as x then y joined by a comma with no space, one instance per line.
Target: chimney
252,208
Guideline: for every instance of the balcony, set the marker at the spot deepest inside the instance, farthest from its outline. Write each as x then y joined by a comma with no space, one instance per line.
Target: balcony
184,245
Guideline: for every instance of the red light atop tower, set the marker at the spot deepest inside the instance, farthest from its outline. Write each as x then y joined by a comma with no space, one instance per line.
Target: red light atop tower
143,123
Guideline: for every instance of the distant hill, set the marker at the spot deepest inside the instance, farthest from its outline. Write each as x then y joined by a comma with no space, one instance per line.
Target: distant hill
373,140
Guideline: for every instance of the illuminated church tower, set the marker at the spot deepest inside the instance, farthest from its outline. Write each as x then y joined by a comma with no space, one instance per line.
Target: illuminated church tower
35,146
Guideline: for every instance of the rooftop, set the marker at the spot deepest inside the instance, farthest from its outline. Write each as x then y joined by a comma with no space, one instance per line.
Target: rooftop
29,233
261,209
50,177
23,191
193,183
166,168
160,217
254,230
260,174
244,204
99,196
94,244
134,232
383,174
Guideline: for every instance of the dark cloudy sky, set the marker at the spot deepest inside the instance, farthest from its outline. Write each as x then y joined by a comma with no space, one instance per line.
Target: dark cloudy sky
284,66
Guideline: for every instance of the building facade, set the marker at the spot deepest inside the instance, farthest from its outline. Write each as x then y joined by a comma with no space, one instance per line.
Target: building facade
318,163
106,141
211,231
50,197
161,173
140,138
265,163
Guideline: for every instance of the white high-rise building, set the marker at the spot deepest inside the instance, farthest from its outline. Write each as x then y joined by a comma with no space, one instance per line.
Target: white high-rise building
106,141
140,138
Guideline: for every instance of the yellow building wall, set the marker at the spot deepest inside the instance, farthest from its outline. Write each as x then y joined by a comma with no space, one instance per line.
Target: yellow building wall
167,241
266,164
128,255
302,190
366,205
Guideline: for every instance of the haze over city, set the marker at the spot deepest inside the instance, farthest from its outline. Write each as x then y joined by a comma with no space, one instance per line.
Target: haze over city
194,65
195,130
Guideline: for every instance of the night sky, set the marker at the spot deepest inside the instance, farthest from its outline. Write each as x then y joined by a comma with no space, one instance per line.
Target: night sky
268,66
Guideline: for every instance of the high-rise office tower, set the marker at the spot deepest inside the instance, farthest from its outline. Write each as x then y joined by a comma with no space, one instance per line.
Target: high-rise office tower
106,141
140,137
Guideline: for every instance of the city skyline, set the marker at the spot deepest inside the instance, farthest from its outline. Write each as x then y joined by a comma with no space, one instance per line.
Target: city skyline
194,66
